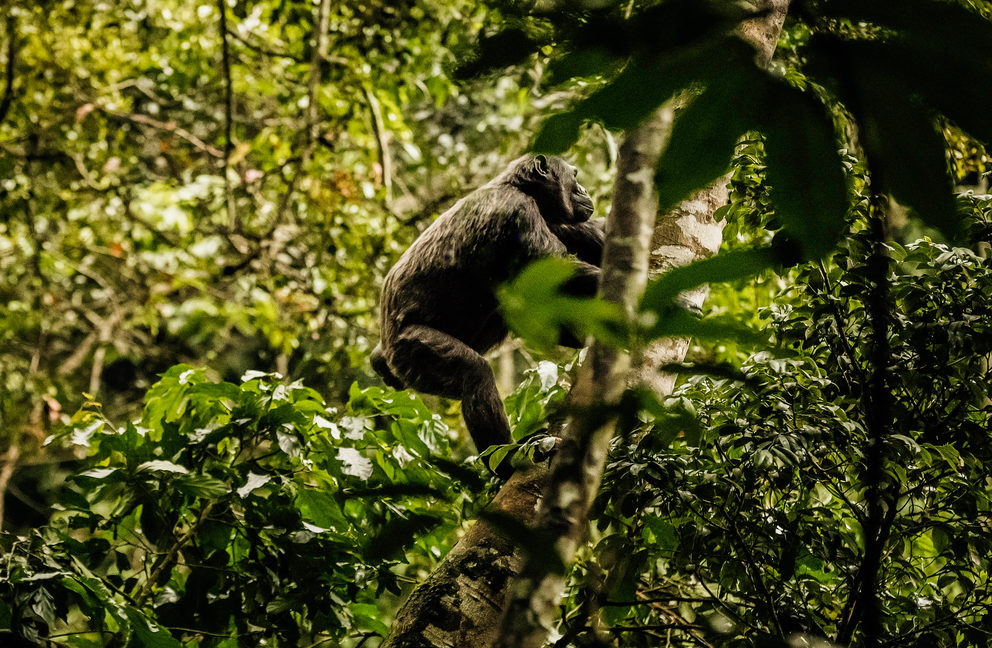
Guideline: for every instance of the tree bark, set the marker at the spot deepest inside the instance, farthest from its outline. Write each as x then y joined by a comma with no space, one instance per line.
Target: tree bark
461,603
689,232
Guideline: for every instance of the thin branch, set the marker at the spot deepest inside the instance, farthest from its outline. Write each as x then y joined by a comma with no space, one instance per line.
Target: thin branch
259,49
8,89
382,140
170,127
313,85
167,560
232,214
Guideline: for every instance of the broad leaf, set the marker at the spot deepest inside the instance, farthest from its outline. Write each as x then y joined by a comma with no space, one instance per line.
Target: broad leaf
738,264
804,169
705,133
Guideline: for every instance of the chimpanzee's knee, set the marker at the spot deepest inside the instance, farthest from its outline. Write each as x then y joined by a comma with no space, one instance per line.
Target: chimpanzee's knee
382,368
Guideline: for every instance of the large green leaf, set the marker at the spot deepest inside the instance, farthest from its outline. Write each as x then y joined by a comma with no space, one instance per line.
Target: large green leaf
804,169
643,86
738,264
536,309
503,49
924,71
682,323
936,25
906,153
705,133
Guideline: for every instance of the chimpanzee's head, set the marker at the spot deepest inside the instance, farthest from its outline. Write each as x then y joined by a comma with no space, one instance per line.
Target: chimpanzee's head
550,180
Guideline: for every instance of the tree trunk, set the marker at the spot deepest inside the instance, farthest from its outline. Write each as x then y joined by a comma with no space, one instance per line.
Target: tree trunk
578,465
461,603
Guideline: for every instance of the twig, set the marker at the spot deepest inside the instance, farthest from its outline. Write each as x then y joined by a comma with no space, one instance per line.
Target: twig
8,90
232,214
10,464
170,556
169,127
263,50
382,139
316,64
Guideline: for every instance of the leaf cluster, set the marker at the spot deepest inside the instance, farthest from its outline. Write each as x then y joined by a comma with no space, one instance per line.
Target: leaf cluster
237,512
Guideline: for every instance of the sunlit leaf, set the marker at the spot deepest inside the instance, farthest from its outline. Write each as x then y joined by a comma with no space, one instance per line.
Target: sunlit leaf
726,266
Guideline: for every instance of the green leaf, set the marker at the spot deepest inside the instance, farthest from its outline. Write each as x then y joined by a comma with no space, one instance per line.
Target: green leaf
100,474
804,169
727,266
906,153
705,133
320,508
679,322
495,455
960,96
557,133
161,466
644,85
368,617
202,486
508,47
148,634
663,532
943,28
536,309
252,483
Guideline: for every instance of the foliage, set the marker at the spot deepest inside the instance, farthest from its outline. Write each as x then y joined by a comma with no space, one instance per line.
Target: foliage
858,64
740,514
140,228
146,220
232,513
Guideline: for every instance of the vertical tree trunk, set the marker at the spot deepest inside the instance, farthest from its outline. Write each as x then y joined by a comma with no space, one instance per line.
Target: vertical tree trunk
578,466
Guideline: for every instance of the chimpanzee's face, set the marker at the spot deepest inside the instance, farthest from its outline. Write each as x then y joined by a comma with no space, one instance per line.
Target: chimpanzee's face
560,196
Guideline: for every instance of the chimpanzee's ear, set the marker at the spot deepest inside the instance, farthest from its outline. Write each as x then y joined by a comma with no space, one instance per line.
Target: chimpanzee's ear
541,165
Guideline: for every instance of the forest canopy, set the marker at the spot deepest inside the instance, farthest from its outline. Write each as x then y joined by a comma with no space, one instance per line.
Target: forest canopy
778,436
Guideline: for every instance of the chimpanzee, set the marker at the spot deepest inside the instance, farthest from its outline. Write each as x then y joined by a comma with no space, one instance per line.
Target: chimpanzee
439,306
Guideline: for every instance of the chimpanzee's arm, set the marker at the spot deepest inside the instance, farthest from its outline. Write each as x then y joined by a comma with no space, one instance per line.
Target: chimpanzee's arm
584,240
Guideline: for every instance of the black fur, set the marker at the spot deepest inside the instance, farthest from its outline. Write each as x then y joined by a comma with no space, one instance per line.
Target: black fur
439,306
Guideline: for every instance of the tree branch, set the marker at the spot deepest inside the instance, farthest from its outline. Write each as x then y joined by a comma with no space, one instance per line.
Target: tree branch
316,67
8,88
170,127
232,213
382,140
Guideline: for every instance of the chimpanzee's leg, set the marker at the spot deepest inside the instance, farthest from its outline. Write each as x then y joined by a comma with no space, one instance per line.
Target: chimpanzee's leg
434,362
382,368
